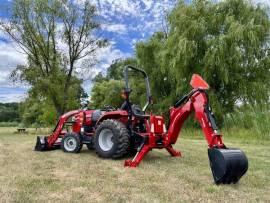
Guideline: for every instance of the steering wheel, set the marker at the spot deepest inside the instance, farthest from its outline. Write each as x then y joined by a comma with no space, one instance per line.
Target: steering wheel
108,108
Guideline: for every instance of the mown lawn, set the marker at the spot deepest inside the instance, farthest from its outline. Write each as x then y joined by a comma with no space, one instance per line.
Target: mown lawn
54,176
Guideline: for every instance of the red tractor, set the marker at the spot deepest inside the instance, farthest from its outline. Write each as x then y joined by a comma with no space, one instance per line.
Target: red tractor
113,133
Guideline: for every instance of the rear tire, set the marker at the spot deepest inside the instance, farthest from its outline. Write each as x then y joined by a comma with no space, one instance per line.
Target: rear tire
111,139
71,143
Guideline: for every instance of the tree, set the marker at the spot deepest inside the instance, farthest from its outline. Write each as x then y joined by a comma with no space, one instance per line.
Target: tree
54,35
9,112
226,42
149,56
115,71
107,93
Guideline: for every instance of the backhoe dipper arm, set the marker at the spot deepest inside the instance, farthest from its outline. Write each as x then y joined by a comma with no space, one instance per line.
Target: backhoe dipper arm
197,100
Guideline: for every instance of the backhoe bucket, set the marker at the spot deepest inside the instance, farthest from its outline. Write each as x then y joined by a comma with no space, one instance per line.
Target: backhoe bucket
41,144
227,165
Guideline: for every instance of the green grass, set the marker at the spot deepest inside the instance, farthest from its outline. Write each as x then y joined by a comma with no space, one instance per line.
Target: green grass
54,176
251,118
9,124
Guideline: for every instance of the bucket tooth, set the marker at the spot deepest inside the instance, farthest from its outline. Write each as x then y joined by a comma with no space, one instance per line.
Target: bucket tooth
227,165
41,144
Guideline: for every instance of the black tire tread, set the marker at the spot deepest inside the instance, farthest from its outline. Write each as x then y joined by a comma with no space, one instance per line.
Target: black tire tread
122,134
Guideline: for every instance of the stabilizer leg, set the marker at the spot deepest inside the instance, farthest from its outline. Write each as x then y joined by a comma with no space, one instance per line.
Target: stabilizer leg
172,151
138,157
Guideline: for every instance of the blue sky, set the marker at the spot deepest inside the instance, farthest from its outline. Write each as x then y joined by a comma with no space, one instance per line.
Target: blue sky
125,22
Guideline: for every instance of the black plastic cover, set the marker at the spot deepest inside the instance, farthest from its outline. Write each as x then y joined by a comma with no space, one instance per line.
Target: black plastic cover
227,165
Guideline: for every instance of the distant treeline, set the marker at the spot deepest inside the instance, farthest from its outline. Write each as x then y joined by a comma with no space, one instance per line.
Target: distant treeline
9,112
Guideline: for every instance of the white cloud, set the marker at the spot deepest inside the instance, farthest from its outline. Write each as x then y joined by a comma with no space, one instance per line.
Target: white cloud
105,56
116,28
10,57
12,95
135,13
148,4
125,7
264,2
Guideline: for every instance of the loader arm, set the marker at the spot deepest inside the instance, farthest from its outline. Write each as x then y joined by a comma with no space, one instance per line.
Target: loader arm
47,142
59,126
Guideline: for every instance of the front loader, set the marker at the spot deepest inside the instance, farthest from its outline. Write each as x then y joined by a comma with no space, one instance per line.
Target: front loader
129,128
82,124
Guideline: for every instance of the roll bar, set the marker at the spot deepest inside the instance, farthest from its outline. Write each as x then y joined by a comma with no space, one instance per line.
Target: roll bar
127,88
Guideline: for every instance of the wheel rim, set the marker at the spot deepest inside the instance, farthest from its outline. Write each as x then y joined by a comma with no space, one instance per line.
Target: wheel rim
105,139
70,144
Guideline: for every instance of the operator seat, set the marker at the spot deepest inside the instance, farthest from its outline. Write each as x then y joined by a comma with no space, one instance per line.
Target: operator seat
96,115
136,110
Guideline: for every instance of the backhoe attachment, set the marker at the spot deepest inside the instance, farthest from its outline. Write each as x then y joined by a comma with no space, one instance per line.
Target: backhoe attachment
228,165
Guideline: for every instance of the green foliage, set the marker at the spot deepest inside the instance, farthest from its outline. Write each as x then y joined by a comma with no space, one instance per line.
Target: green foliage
41,111
107,89
149,58
115,71
225,42
107,93
255,118
30,110
9,124
9,112
48,115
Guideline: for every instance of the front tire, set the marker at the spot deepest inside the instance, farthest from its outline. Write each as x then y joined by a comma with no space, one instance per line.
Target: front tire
71,143
111,139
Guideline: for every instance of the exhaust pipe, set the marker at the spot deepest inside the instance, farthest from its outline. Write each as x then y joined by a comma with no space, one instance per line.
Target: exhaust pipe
41,144
227,165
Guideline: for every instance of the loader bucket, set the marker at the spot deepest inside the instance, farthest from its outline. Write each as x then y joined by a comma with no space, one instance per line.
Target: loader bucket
41,144
227,165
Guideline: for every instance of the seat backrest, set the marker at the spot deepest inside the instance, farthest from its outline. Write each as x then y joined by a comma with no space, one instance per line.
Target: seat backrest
136,109
96,115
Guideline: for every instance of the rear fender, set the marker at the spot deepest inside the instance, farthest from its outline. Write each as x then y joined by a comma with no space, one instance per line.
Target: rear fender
117,115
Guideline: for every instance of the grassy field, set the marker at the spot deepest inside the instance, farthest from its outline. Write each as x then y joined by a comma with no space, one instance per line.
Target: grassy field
54,176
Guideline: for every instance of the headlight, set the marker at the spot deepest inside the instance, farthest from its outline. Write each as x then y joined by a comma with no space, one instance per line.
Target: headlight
82,129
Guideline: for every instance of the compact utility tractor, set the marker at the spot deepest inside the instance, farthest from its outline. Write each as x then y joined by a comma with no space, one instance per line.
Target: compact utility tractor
116,132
